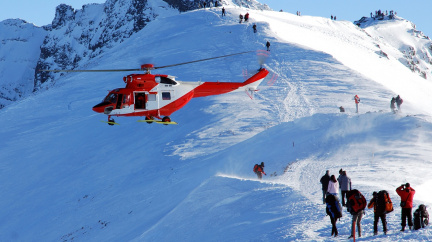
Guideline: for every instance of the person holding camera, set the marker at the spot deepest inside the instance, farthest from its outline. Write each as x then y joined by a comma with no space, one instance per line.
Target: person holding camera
406,193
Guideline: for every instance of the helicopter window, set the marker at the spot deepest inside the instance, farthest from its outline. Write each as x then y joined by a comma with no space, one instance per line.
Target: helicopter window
126,99
151,97
166,96
112,98
166,80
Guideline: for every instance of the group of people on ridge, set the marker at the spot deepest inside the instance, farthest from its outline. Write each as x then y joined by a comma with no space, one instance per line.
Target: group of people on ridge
356,203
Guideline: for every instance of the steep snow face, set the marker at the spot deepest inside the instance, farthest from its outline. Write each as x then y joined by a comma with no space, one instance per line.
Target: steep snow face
399,39
19,51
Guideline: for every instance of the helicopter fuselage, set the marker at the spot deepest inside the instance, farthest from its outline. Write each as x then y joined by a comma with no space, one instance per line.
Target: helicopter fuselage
155,96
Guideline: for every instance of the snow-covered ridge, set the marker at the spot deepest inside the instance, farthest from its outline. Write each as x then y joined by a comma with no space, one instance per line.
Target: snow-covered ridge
399,38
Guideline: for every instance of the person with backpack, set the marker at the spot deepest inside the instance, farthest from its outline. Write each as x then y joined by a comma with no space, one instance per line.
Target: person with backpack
325,182
382,205
333,186
399,102
246,17
421,217
356,203
345,186
259,170
334,210
406,193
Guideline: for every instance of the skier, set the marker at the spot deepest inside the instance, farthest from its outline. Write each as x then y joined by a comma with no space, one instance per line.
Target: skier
342,109
259,170
357,100
268,46
246,17
223,11
325,182
254,28
399,102
392,105
406,193
241,18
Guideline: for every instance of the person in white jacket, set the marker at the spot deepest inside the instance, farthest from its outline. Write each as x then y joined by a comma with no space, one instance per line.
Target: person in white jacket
333,186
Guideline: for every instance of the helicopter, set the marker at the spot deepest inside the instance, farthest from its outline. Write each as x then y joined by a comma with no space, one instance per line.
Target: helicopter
157,96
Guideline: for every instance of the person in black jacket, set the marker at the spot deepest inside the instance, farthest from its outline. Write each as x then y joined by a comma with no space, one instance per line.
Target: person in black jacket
325,181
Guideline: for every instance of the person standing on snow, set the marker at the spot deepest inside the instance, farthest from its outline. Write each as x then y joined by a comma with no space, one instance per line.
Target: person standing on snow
345,186
333,186
325,182
392,105
268,46
406,193
254,28
357,100
223,11
246,17
259,170
378,213
241,18
399,102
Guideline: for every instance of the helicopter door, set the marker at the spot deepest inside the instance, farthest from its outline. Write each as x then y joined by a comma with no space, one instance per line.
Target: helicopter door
140,100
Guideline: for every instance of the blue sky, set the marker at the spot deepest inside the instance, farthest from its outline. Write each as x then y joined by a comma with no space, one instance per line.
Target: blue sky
42,12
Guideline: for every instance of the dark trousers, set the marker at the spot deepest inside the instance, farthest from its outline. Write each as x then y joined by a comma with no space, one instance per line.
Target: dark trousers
334,229
383,220
343,197
407,213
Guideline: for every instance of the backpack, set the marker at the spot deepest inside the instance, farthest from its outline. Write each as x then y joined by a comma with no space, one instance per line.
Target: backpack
255,169
421,217
356,202
384,204
333,206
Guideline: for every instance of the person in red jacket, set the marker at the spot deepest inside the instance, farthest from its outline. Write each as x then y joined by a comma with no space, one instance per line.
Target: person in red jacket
259,170
406,193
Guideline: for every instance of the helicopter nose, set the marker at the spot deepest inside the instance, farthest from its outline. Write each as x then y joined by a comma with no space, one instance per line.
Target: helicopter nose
101,107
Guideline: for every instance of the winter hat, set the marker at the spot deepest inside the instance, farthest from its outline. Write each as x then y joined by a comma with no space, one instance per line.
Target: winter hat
262,164
407,185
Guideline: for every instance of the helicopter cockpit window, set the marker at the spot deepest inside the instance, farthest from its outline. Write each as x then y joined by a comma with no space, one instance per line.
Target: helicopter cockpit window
112,98
166,80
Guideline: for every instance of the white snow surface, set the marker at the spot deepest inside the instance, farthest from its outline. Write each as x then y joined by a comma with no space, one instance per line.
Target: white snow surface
66,176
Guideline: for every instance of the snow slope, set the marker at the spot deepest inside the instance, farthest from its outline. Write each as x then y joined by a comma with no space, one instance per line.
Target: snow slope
66,176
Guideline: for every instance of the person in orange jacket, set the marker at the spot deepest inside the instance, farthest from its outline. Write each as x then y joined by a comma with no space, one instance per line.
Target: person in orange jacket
357,101
259,170
406,193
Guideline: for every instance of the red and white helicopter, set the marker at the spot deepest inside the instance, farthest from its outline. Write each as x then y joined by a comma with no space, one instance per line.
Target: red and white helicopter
158,96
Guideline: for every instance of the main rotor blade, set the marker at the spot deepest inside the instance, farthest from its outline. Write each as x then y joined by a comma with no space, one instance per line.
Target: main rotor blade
113,70
150,68
189,62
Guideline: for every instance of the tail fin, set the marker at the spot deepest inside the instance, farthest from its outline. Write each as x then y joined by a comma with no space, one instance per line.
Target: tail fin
251,84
